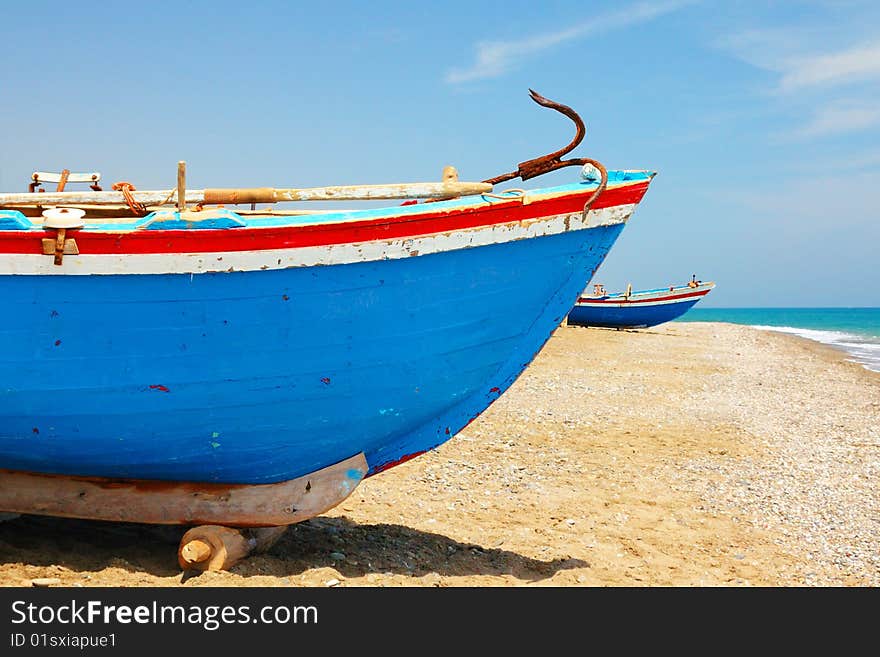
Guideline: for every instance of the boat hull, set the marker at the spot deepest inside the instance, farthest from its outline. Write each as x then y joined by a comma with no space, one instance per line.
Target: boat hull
649,310
262,376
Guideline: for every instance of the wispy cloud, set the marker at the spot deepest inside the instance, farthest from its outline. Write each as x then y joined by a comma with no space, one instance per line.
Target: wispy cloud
853,64
769,47
839,119
494,58
832,84
801,66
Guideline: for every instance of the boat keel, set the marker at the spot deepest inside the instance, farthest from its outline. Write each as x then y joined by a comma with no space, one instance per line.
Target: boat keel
181,503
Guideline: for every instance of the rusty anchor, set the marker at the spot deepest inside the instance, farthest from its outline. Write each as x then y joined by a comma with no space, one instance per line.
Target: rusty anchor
553,161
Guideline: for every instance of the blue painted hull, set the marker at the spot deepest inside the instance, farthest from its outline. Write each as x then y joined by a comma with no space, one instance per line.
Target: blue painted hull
634,316
262,376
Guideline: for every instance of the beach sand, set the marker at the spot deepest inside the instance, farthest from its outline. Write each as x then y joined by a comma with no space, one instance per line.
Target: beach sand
684,455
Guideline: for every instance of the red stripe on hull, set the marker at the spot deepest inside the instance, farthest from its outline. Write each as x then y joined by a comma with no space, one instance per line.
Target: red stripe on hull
257,239
616,300
391,464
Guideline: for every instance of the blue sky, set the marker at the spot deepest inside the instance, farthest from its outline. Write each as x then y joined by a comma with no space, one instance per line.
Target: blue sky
762,118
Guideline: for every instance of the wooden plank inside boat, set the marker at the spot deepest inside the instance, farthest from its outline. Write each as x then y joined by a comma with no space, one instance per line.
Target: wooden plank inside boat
49,176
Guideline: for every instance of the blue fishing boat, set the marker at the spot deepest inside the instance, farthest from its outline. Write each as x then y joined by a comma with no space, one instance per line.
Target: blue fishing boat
641,309
170,360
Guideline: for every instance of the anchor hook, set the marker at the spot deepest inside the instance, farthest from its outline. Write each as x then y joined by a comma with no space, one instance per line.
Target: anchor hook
553,161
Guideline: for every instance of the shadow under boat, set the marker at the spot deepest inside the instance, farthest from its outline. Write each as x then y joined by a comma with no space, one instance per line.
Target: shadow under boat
87,546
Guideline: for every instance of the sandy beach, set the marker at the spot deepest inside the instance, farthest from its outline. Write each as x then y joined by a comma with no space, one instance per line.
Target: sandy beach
689,454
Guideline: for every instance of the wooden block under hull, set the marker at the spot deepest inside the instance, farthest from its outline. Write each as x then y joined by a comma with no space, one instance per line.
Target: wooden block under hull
181,503
212,547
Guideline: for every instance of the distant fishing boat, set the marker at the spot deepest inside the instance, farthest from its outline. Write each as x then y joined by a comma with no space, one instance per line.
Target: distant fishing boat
639,309
172,360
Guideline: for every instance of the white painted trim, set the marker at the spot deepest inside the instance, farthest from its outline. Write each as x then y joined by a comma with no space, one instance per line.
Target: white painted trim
334,254
644,304
49,176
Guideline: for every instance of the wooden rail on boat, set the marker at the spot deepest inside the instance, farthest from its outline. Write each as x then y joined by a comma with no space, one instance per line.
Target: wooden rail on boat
436,190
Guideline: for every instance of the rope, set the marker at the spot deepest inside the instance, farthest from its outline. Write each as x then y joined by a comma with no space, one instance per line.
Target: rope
168,198
127,188
514,193
603,183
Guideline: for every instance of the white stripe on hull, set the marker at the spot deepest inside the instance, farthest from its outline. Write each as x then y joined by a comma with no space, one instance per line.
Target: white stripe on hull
309,256
643,304
634,305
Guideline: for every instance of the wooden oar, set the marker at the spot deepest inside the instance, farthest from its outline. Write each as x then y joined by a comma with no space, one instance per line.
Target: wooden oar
440,190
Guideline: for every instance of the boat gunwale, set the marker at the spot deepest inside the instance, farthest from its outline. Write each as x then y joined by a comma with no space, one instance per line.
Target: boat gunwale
670,295
385,214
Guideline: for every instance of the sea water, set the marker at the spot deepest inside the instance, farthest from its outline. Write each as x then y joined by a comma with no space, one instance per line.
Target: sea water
854,330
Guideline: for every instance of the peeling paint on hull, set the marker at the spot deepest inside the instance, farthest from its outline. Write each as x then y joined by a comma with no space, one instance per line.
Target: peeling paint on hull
263,375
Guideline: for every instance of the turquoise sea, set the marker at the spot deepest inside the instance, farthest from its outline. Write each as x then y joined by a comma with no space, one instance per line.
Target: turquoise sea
854,330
